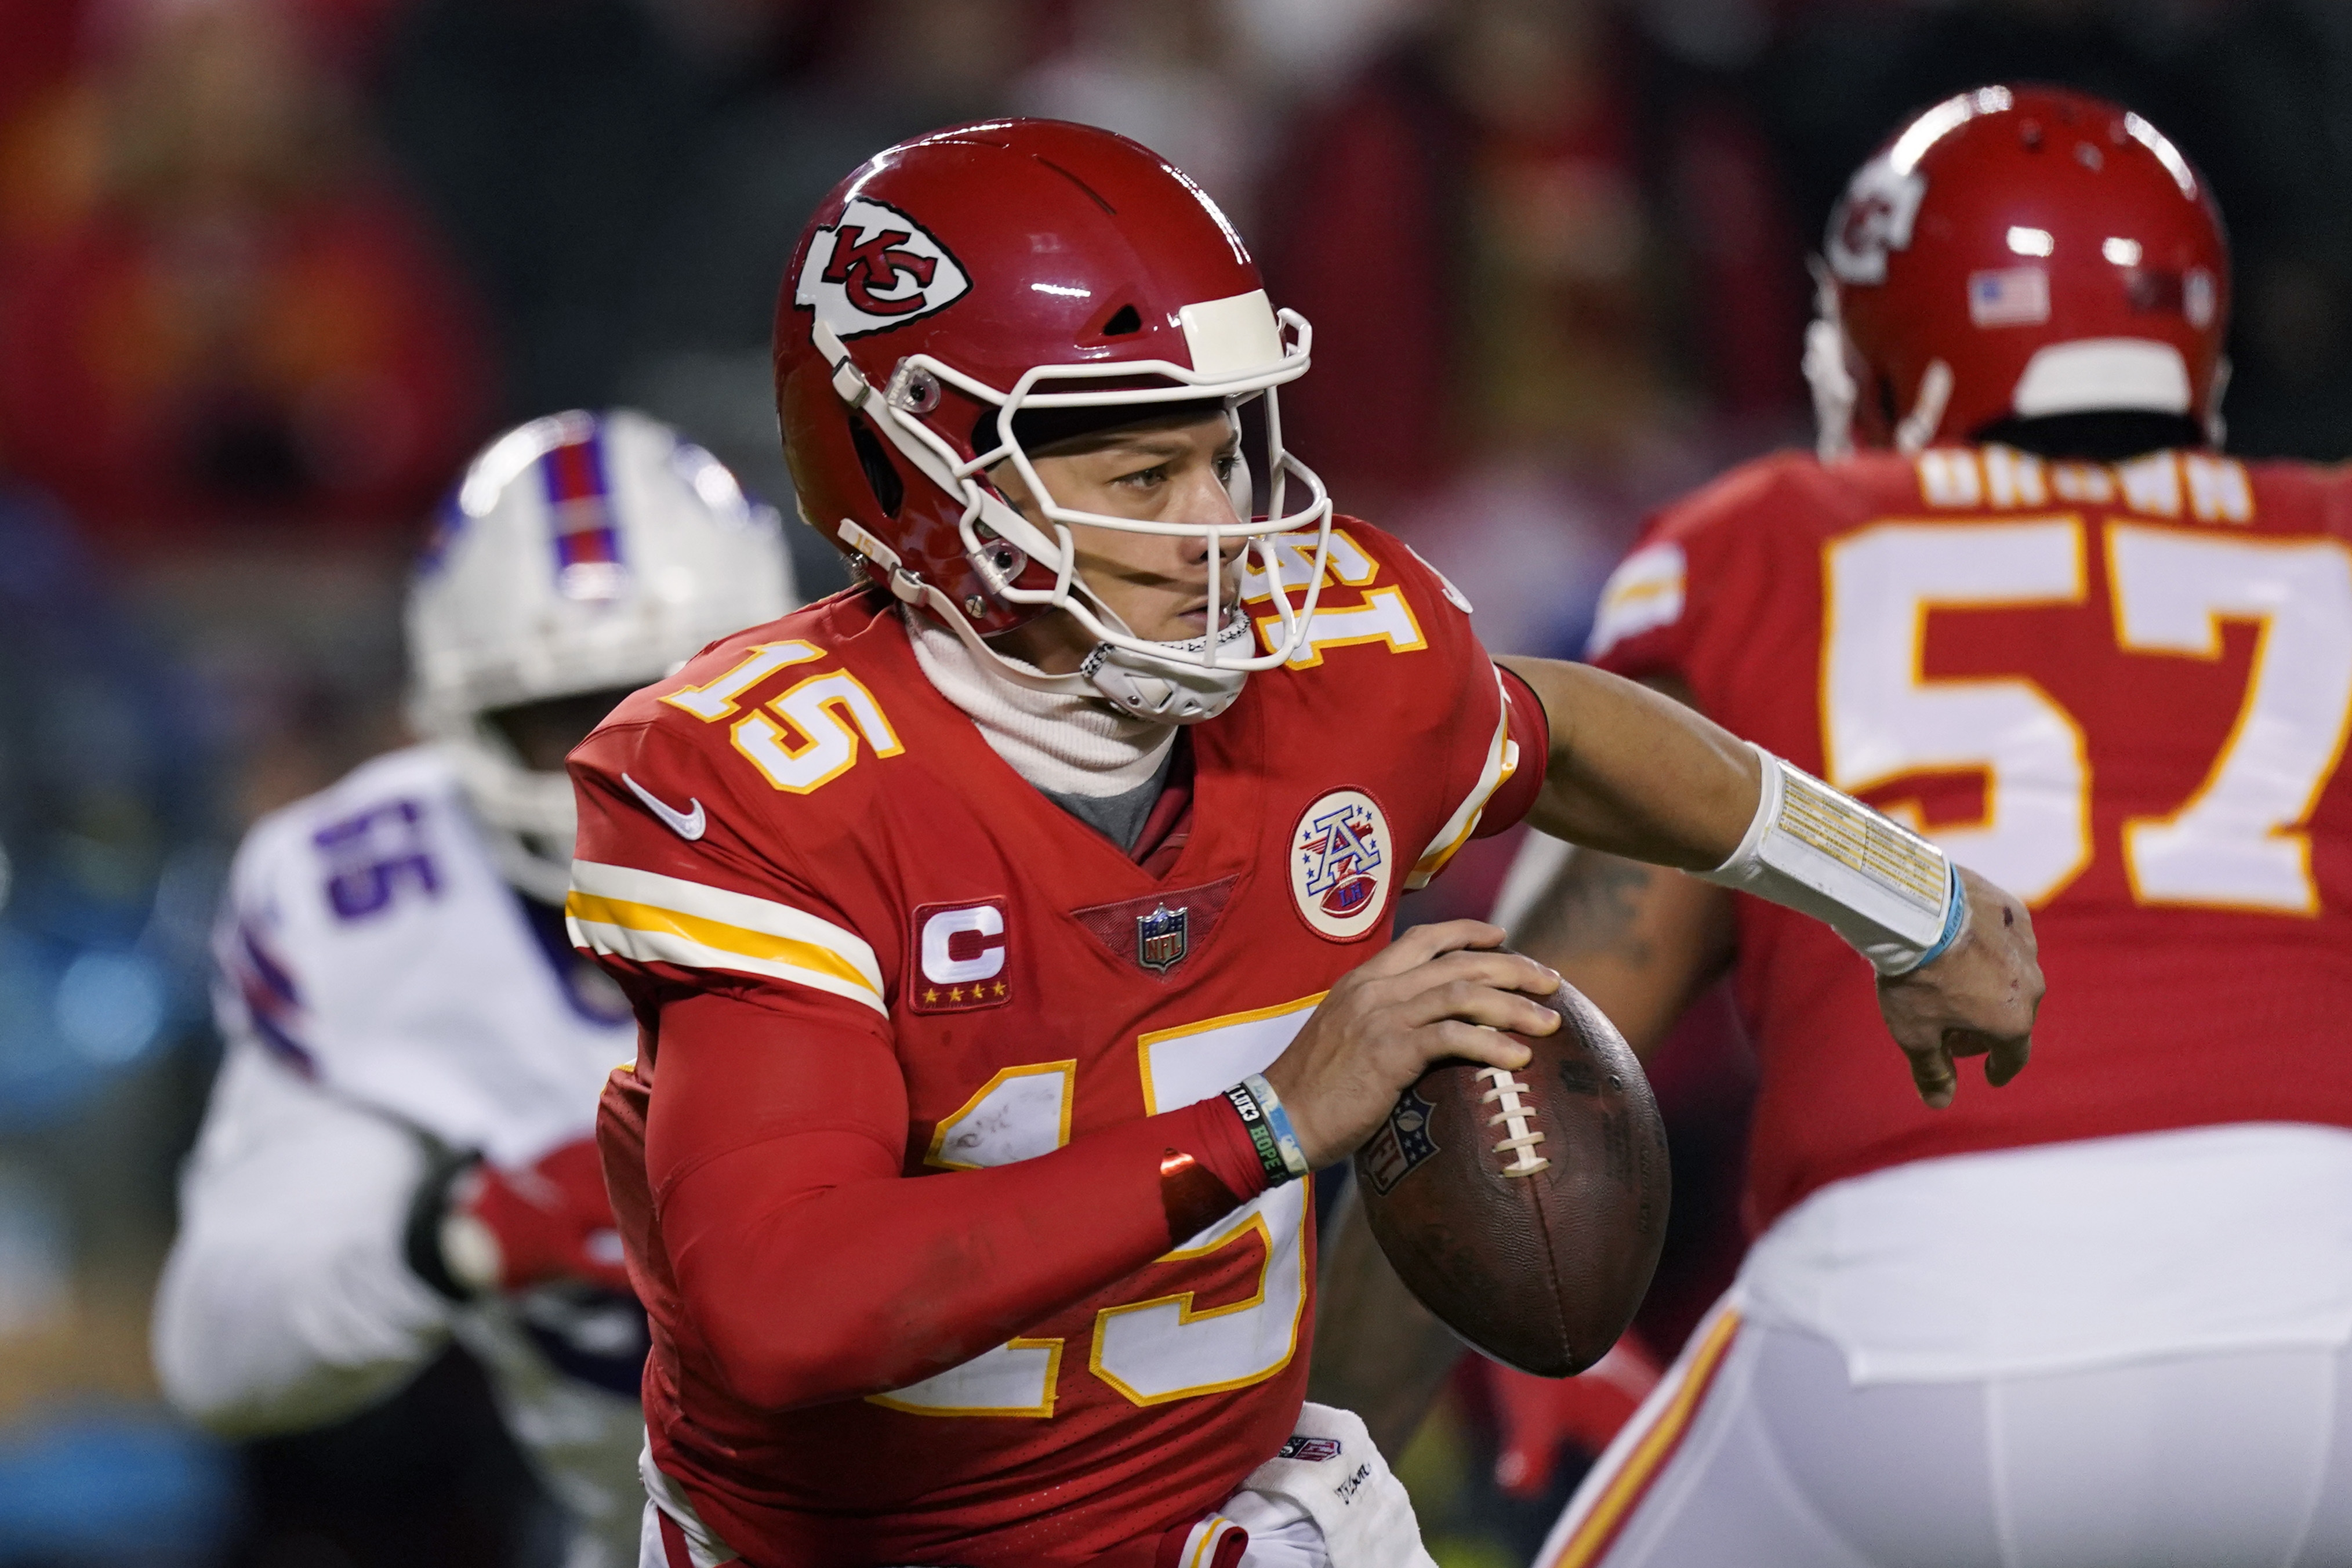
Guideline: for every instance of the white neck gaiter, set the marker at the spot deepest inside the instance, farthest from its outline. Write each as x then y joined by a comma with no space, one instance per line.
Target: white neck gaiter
1061,743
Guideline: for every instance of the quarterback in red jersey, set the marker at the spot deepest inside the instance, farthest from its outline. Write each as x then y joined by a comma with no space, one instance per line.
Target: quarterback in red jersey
2104,1316
1009,933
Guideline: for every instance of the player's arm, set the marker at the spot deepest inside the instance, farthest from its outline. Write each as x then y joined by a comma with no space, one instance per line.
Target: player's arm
1640,942
1635,773
816,1270
287,1301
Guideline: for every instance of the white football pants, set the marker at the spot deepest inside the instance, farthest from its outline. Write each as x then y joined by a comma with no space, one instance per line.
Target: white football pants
1757,1451
1328,1501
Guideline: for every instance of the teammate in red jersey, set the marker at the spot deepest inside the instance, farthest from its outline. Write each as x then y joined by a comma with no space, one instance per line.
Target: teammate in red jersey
2103,1317
1052,866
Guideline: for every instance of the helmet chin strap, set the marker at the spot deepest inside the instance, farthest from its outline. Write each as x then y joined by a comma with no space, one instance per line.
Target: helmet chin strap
1170,691
518,810
1926,416
1173,691
1827,372
1834,390
528,871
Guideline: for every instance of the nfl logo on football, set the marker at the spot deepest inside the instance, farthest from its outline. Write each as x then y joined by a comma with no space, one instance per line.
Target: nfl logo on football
1161,937
1401,1143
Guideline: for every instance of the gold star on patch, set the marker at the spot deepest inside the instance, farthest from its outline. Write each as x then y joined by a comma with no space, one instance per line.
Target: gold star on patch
955,993
930,996
1000,988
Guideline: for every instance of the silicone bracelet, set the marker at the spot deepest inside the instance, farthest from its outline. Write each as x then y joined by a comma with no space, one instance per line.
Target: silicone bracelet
1285,1137
1269,1153
1956,921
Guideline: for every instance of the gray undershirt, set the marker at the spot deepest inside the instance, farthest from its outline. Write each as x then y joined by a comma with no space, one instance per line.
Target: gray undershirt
1119,817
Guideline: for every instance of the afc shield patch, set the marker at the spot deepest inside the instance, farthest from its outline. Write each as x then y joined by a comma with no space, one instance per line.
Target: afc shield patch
1162,937
1341,864
1401,1143
876,268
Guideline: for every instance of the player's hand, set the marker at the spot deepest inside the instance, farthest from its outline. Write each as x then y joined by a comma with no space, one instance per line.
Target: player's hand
1437,991
1978,999
508,1229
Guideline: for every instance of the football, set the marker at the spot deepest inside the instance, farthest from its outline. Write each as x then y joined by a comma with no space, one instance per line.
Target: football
1526,1209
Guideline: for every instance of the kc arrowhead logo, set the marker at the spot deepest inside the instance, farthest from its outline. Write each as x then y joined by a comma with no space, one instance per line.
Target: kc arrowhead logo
876,268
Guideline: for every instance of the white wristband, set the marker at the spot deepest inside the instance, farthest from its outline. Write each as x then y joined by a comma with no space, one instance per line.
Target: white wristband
1889,893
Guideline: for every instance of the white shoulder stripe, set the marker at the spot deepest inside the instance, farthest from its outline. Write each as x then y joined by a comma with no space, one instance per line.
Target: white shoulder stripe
1502,761
710,903
1644,594
676,948
699,902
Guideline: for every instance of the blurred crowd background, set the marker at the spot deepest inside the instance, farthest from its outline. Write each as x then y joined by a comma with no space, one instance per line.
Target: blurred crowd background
270,268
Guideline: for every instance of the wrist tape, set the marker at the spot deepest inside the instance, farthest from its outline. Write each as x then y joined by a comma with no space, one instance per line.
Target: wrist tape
1269,1129
1894,897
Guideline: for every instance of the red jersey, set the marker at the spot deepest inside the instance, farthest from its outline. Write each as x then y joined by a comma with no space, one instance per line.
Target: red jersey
2119,691
843,916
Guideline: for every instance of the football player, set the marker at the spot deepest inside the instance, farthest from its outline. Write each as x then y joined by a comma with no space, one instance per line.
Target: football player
2103,1317
399,1148
1010,932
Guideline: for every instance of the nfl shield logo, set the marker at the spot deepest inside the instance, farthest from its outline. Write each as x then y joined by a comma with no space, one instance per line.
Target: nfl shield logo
1159,938
1399,1144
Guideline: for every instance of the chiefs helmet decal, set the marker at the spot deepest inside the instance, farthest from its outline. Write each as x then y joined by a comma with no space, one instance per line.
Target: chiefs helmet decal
875,268
1875,217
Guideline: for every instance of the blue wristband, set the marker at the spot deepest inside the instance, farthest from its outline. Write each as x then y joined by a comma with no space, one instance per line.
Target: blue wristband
1956,921
1277,1120
1260,1128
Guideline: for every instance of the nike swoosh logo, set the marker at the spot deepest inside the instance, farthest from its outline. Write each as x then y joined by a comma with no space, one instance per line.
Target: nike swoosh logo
686,825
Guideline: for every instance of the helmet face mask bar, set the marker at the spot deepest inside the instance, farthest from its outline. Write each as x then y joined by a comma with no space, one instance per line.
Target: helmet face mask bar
1183,679
529,814
963,289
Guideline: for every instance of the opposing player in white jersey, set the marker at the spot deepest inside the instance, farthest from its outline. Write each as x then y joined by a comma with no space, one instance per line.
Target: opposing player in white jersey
399,1149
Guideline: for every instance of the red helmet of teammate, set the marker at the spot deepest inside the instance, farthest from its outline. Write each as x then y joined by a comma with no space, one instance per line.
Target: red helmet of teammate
2018,253
988,288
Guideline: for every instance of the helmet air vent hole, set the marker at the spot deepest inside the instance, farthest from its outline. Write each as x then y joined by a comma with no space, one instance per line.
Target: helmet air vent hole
1125,319
890,489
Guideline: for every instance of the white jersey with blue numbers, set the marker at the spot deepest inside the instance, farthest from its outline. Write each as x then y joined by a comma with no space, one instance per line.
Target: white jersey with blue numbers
387,997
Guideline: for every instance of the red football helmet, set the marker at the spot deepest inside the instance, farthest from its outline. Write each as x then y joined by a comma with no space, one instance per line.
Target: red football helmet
2016,253
963,294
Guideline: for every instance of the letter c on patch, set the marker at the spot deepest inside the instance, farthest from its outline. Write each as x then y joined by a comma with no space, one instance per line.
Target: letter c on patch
963,945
